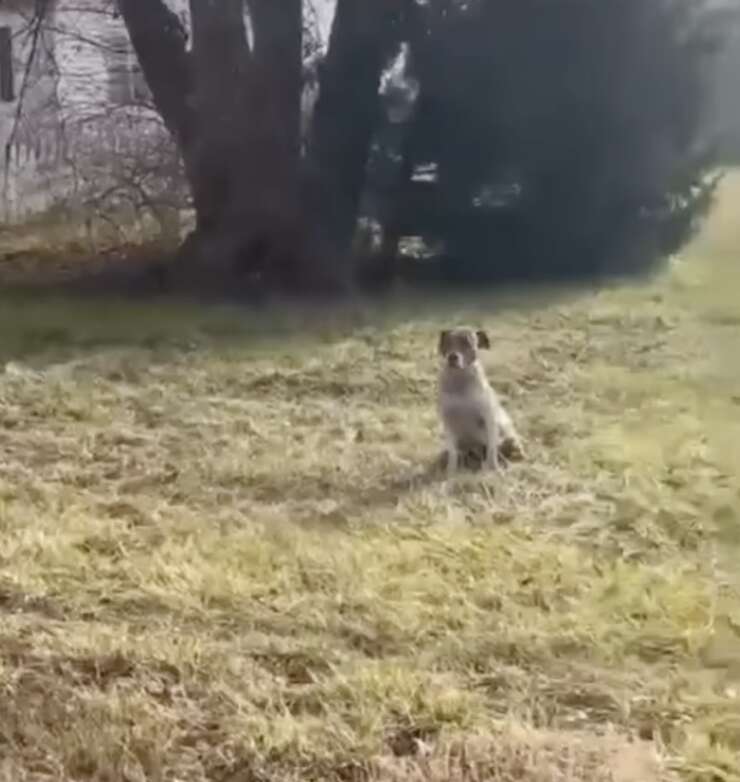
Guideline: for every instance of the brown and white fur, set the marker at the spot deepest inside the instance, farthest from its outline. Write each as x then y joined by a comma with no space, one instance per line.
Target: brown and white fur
475,422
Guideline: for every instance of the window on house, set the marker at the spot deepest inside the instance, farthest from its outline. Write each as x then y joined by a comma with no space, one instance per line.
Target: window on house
7,78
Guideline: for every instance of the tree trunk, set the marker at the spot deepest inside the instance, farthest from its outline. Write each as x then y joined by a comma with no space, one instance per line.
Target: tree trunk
278,69
220,75
275,134
159,40
363,36
235,114
234,111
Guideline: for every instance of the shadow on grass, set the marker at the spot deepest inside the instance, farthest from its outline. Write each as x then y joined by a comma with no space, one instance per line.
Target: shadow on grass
42,326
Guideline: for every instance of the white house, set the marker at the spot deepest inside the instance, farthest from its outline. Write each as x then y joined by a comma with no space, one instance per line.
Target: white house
28,107
61,81
82,70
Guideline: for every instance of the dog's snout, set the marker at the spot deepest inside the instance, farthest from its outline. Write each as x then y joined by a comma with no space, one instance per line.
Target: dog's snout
454,360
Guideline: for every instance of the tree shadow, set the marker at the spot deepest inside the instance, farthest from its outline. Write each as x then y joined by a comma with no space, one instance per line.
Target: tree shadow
39,325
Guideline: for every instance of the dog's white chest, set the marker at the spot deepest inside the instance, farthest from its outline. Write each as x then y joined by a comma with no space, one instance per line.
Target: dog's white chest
464,415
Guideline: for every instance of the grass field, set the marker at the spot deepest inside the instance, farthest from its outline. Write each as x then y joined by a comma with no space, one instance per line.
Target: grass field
224,556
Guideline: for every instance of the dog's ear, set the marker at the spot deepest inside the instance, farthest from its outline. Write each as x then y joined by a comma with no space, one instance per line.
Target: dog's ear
482,338
442,344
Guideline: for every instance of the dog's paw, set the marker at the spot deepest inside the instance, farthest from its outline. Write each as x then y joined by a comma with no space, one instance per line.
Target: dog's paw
469,459
512,450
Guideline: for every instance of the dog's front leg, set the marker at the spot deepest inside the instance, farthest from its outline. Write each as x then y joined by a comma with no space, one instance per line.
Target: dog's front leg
492,443
452,455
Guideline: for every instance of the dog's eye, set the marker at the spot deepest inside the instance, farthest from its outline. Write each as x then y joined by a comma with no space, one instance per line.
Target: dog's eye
481,423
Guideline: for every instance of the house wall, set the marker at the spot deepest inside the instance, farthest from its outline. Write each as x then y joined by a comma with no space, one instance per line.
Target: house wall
30,144
77,119
78,104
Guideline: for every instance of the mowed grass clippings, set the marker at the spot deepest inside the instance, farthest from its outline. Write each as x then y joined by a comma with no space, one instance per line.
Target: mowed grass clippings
226,554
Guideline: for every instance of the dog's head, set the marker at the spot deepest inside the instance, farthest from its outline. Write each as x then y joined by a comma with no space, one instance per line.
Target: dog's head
459,347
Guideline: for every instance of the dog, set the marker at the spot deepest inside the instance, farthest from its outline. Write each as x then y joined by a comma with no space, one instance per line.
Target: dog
475,422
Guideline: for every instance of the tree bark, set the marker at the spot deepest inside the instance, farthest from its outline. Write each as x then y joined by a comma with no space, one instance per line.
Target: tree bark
235,115
346,115
234,111
274,140
159,40
220,57
278,68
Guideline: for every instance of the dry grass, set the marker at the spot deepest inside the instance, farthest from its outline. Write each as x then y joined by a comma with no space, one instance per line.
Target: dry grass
59,247
224,556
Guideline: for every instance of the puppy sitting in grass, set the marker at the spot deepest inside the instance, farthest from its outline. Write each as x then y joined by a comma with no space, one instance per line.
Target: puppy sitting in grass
478,429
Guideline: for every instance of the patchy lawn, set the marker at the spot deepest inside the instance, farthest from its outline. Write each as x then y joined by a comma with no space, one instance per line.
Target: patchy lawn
224,555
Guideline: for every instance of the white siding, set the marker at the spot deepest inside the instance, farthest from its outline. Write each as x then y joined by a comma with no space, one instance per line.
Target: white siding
71,104
31,147
85,61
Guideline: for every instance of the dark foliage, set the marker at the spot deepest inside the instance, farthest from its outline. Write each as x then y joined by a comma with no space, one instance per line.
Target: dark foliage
568,136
